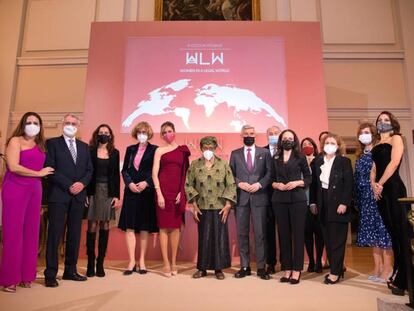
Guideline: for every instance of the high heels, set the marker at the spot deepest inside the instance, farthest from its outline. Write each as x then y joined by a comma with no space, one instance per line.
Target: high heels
174,270
9,289
295,281
329,281
26,284
285,279
166,271
129,272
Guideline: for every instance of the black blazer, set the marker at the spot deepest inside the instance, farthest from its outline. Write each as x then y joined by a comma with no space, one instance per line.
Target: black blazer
341,183
113,173
66,171
130,174
296,168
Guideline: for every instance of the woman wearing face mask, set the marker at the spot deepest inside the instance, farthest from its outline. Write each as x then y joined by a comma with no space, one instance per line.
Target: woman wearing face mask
289,201
332,182
211,189
21,198
313,230
138,207
103,195
371,230
169,172
388,188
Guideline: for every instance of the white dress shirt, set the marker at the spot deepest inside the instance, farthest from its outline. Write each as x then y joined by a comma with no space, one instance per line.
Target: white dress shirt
326,172
68,143
272,150
252,152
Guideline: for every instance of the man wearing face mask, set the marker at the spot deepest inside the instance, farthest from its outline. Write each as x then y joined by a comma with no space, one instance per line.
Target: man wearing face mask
252,170
273,137
71,160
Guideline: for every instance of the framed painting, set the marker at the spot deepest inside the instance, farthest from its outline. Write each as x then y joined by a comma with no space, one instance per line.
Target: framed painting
207,10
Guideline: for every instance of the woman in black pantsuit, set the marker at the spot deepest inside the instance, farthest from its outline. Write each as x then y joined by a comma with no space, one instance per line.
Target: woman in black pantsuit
138,208
289,202
331,193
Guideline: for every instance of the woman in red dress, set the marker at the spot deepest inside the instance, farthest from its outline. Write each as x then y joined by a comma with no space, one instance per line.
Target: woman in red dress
169,171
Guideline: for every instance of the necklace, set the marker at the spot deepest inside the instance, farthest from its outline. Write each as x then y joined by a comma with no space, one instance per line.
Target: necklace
366,151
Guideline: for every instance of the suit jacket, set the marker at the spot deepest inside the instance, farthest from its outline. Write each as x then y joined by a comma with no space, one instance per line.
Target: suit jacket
113,173
66,171
262,173
296,168
339,192
130,174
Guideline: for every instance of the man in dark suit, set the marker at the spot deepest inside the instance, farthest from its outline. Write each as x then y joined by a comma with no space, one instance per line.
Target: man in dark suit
67,194
271,258
252,172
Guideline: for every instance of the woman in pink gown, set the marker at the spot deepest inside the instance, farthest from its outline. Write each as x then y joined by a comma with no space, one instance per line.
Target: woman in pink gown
169,171
21,197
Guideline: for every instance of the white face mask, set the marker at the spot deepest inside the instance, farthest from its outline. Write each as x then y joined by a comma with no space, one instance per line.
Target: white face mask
208,154
31,130
142,138
365,139
70,130
330,149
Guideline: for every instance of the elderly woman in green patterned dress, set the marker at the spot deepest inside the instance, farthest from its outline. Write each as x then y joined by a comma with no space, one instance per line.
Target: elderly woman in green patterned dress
211,190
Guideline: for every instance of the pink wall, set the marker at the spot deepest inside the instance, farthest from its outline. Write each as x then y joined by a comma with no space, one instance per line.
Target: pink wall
105,87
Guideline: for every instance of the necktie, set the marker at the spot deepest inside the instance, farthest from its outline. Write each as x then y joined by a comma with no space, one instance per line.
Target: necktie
249,160
72,150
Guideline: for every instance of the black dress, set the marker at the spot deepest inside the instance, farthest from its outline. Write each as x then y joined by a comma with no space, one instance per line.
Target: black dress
138,209
393,214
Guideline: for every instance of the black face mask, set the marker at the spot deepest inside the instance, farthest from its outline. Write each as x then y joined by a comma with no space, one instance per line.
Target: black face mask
103,139
288,144
248,141
384,127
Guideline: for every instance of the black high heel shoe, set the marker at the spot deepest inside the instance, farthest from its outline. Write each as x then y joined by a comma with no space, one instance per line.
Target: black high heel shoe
129,272
328,281
285,279
295,281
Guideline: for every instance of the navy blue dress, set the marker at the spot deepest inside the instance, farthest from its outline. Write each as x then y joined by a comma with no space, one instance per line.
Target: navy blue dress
371,230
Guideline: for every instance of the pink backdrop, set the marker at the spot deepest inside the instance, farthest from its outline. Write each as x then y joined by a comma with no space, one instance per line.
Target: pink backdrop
107,85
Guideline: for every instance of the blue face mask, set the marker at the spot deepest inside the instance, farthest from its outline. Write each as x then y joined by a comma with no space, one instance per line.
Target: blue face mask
273,139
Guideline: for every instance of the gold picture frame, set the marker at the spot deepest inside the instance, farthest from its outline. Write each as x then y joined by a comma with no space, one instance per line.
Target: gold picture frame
207,10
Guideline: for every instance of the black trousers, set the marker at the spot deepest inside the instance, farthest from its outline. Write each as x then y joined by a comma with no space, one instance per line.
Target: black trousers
58,213
314,236
271,237
335,234
291,219
394,216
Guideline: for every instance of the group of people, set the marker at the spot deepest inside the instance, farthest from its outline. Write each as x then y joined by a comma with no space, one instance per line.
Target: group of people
288,187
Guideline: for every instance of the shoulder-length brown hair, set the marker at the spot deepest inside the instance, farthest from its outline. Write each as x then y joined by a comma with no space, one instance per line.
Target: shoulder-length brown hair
19,130
360,149
93,143
341,145
394,122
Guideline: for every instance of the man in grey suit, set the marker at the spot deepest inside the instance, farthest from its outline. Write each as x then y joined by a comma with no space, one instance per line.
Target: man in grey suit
252,170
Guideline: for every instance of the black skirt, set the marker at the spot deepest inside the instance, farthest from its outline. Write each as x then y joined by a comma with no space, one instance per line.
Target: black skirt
213,242
138,212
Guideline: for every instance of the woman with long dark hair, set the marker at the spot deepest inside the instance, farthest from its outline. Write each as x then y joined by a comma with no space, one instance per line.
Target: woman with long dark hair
103,195
289,201
388,188
21,198
313,230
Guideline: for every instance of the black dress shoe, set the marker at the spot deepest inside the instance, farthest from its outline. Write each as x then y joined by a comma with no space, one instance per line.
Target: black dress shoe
51,283
243,272
74,277
397,291
199,274
129,272
271,269
285,279
263,274
219,275
142,271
